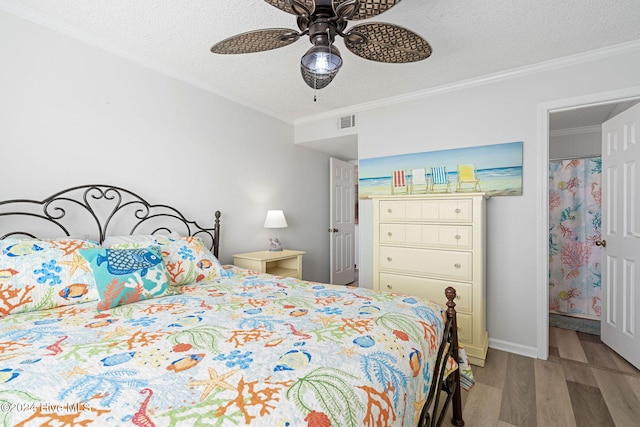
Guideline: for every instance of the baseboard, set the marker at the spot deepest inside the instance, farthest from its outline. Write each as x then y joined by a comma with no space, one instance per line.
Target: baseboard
510,347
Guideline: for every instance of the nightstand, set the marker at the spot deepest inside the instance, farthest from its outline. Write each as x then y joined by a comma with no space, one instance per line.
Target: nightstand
286,263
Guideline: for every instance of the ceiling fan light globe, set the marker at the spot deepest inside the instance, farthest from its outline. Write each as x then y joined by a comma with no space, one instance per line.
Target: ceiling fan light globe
322,60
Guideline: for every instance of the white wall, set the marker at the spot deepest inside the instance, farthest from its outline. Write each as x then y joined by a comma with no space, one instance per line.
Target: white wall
73,114
580,142
494,110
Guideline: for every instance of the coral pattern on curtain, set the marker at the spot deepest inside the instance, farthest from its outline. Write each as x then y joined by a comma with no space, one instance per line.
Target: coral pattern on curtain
574,227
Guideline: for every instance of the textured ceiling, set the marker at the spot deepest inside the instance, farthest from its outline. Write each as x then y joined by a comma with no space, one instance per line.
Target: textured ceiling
469,39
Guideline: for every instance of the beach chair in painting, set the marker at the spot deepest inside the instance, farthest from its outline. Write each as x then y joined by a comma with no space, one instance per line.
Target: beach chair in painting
418,181
467,175
399,182
440,179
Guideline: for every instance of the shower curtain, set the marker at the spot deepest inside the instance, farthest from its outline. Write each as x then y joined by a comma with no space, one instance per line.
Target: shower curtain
574,227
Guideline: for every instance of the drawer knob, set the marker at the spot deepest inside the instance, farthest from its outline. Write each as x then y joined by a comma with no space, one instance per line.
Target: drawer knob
457,265
389,210
457,237
389,234
389,259
458,210
389,287
457,296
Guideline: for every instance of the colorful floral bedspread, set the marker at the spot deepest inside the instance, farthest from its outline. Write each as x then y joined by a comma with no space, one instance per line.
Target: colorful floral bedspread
249,349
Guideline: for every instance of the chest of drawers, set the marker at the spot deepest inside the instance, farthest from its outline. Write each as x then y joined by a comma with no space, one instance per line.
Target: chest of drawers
423,244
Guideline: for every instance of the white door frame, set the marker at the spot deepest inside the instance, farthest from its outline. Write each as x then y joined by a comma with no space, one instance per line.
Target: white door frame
542,163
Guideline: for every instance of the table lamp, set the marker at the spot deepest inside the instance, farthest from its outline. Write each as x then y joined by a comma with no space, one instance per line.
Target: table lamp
275,219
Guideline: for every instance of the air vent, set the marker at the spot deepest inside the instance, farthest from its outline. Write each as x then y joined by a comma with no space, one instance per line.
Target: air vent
346,122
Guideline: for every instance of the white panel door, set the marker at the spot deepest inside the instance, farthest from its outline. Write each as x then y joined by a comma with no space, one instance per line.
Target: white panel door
342,226
620,327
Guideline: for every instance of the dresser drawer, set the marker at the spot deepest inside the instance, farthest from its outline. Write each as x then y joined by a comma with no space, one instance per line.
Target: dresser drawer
445,264
455,210
446,236
427,288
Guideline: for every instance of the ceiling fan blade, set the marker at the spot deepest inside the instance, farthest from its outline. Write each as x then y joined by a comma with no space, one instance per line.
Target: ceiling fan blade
383,42
256,41
300,7
368,8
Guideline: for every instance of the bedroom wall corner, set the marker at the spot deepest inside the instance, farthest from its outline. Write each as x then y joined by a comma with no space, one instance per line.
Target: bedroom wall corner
76,114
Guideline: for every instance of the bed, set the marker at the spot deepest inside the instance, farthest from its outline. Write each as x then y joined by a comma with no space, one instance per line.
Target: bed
107,321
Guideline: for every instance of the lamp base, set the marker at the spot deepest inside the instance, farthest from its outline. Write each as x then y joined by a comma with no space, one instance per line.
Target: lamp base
275,245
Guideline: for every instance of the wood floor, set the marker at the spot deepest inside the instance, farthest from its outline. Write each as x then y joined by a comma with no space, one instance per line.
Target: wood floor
582,384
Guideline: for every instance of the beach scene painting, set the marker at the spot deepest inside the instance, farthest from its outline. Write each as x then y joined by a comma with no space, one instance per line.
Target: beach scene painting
498,168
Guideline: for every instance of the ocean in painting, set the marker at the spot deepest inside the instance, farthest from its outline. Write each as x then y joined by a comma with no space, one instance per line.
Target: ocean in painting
505,181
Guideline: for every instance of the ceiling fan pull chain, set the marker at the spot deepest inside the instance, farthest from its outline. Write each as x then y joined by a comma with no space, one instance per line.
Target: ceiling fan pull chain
315,87
315,76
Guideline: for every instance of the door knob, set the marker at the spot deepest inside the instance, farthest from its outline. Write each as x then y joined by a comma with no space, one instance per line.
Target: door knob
602,243
333,230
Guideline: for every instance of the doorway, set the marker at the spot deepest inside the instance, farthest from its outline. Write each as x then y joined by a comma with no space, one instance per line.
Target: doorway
574,199
565,118
342,148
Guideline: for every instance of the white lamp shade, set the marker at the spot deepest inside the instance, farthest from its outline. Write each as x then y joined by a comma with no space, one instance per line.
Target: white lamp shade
275,219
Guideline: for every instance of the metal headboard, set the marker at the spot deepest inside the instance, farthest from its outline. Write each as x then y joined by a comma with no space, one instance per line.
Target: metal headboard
96,211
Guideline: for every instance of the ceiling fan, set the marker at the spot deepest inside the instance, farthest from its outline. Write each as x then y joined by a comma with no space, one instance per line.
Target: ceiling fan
322,20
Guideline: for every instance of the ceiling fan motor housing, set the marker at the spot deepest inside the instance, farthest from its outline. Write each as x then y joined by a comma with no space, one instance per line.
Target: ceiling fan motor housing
322,32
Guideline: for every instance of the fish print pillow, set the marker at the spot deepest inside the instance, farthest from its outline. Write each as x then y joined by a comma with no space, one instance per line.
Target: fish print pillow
187,259
124,276
41,274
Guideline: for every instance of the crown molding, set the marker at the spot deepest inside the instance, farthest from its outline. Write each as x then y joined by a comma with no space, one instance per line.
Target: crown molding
627,47
576,131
